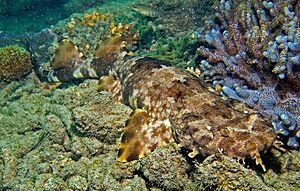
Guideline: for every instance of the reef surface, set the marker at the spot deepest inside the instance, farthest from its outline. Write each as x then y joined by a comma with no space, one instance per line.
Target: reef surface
44,147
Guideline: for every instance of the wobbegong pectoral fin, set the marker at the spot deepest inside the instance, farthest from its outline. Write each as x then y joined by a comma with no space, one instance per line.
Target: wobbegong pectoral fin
142,135
132,145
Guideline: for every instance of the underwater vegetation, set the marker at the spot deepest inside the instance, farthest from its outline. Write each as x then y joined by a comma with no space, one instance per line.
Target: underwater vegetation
252,54
15,62
166,29
179,51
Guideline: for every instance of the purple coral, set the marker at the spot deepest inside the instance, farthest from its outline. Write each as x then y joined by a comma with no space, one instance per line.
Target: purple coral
253,52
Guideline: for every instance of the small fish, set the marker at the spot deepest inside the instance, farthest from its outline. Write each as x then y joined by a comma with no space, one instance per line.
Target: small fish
146,11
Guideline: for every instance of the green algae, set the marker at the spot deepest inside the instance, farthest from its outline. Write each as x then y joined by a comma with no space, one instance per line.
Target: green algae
178,51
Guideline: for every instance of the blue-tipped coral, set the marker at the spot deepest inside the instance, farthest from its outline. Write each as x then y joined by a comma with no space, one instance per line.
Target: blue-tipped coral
252,52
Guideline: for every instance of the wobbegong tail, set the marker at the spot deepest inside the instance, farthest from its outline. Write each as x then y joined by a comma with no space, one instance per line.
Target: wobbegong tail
88,69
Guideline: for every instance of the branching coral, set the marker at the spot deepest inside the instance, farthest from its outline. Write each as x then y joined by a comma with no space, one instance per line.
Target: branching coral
14,62
253,53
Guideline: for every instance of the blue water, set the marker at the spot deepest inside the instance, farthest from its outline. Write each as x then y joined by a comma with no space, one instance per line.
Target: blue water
34,15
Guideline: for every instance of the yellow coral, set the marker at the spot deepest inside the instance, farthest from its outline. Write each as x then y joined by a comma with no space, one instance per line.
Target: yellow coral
71,24
90,19
119,29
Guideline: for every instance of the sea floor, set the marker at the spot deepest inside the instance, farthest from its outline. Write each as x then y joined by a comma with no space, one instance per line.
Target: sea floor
43,146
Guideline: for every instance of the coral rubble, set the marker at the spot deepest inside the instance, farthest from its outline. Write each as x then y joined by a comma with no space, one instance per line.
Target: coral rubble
14,62
252,53
223,173
166,168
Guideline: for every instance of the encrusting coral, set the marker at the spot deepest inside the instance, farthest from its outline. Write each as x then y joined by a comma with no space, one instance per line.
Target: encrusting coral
14,62
252,55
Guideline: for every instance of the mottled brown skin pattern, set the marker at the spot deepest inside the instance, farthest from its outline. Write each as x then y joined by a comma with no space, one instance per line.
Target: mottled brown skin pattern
169,101
149,126
206,124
